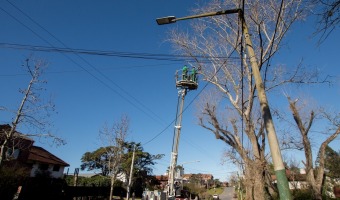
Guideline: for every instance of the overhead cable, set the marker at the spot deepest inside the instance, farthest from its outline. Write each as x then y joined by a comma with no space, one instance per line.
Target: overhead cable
148,56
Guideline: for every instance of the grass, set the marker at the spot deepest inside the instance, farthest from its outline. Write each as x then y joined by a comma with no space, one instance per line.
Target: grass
215,191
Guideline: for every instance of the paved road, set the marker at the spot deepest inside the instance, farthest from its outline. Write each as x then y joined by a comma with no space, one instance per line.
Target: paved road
227,194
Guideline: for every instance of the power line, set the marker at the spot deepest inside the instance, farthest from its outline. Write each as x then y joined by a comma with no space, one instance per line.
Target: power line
168,57
101,69
147,56
66,49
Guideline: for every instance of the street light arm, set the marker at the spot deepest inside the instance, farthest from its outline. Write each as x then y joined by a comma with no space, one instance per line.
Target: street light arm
210,14
194,161
173,19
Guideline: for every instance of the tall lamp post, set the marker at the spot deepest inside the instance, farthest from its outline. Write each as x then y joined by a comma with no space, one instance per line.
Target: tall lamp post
279,168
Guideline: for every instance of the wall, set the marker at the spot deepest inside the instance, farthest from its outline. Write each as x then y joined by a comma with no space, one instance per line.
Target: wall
54,174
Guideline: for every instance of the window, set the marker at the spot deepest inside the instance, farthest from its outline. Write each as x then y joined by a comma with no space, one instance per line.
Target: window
56,168
43,166
12,153
16,153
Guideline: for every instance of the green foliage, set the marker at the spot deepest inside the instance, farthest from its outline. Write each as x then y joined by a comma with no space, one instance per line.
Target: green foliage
217,183
215,191
99,181
98,159
332,160
143,160
304,194
36,188
40,188
193,188
10,179
196,179
328,188
142,168
208,194
141,183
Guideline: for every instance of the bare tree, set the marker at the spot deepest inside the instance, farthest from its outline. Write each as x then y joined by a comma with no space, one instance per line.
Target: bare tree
113,139
230,110
328,12
314,173
32,111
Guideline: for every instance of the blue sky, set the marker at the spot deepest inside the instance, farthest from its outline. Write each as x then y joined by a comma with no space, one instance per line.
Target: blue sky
91,90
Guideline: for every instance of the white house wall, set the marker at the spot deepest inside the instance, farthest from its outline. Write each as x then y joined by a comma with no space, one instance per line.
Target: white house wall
54,174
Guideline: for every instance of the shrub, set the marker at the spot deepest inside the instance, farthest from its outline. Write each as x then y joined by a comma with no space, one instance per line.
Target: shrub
10,179
303,194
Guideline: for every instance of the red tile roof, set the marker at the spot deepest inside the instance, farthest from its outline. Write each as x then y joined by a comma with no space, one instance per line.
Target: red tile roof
203,176
162,177
41,155
292,177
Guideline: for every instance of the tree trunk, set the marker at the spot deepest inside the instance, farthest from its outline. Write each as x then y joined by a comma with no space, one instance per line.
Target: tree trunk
9,135
317,189
315,185
2,151
255,181
111,187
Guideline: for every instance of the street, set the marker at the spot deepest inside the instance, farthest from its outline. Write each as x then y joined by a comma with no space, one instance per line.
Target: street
227,193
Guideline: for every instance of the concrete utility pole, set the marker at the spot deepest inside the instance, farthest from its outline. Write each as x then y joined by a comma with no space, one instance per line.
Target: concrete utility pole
131,171
279,168
280,171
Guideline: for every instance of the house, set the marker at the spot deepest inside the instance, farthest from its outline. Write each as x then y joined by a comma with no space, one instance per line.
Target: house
17,147
41,160
295,180
205,179
163,181
20,152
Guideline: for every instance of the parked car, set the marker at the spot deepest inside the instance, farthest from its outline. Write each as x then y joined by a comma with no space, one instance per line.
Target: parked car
215,196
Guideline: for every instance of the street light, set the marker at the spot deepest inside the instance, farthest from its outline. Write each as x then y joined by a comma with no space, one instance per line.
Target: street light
279,168
166,20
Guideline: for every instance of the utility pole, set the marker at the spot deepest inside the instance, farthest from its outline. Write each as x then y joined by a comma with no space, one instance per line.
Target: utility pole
280,171
185,84
131,171
279,168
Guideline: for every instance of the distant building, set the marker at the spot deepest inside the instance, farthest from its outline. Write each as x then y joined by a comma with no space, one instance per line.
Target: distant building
20,152
204,179
295,180
163,181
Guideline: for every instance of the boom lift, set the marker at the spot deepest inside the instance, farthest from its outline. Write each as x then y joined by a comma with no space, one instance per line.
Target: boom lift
187,82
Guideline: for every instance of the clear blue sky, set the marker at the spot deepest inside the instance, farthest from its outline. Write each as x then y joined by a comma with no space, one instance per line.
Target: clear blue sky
90,90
